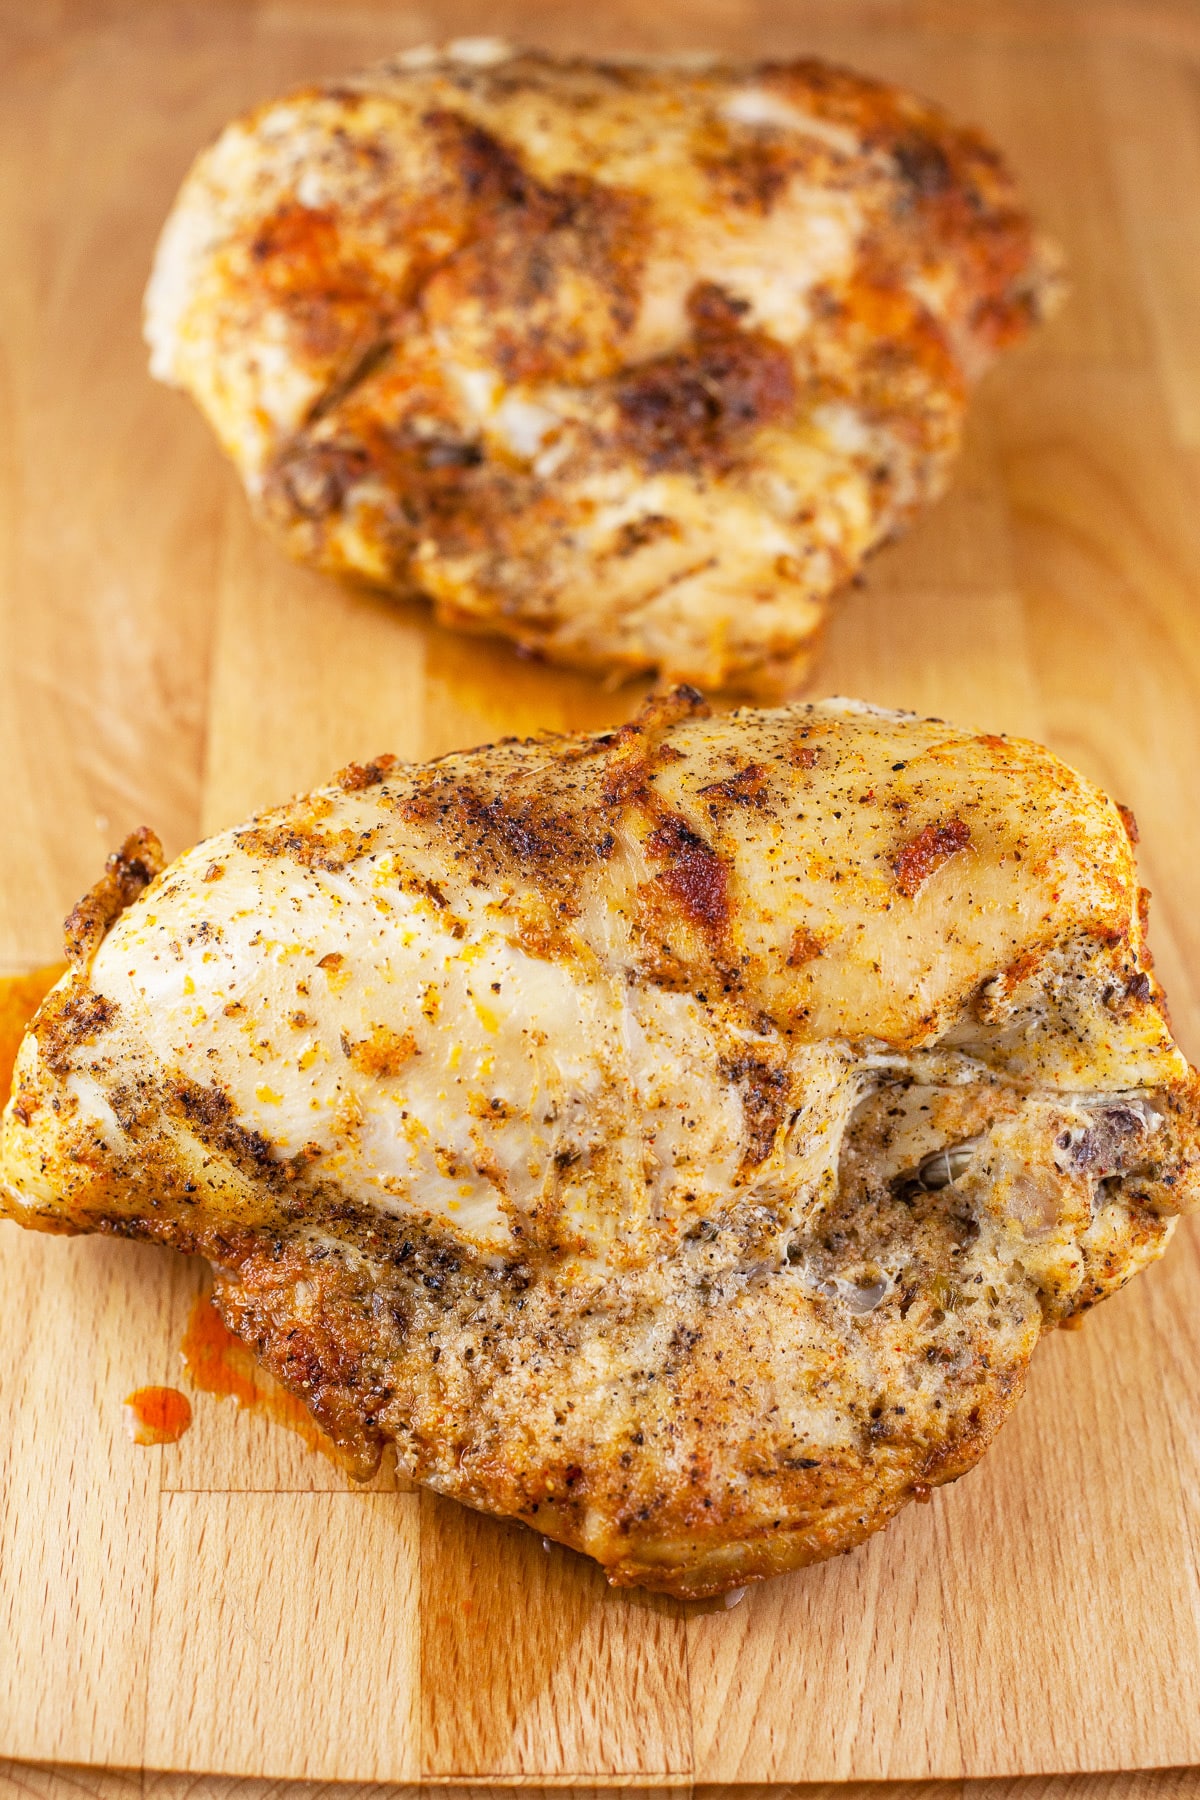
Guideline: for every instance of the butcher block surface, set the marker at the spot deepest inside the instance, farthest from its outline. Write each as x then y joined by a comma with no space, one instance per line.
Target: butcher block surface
232,1605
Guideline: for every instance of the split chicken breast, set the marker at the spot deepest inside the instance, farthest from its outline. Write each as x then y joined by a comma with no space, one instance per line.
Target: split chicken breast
632,363
677,1139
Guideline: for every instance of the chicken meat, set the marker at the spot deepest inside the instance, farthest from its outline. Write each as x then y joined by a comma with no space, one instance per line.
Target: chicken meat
630,362
676,1139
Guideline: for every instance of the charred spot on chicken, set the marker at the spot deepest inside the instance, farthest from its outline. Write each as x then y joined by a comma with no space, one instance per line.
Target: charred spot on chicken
676,1138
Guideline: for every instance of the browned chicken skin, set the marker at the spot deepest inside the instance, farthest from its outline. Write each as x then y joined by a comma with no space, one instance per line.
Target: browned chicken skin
677,1139
629,362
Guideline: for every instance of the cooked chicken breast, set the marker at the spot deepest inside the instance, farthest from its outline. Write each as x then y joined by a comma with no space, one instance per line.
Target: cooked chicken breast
677,1139
633,363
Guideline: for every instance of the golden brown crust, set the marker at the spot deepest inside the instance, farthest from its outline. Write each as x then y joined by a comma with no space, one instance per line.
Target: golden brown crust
676,1138
127,874
631,364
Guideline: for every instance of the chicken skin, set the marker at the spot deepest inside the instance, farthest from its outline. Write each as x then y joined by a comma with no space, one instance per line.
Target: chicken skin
677,1139
632,363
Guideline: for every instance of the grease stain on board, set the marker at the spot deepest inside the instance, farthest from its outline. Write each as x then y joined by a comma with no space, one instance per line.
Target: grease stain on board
157,1415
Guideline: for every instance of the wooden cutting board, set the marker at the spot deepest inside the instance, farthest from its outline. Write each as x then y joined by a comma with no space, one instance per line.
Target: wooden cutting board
232,1604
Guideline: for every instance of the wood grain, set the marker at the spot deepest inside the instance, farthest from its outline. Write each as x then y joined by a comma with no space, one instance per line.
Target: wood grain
285,1636
229,1612
533,1666
873,1627
78,1503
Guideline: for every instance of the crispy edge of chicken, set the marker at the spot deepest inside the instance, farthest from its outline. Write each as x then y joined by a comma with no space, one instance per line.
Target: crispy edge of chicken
631,363
676,1139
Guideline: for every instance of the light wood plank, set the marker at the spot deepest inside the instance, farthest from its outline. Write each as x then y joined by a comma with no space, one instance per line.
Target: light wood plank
861,1649
532,1666
1152,124
285,1636
1175,1345
308,676
1070,1518
105,508
78,1501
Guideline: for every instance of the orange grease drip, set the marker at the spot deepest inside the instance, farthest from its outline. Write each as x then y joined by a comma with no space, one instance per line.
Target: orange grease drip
157,1415
20,997
219,1363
